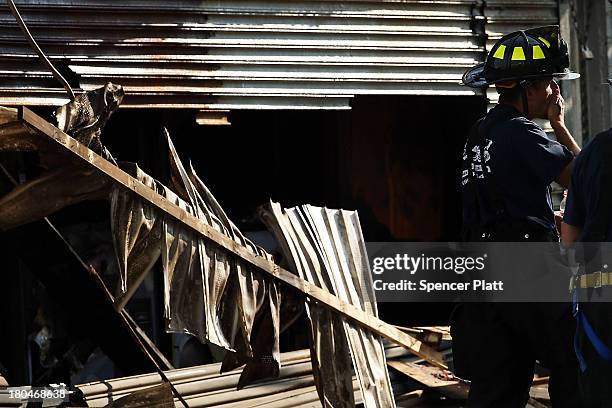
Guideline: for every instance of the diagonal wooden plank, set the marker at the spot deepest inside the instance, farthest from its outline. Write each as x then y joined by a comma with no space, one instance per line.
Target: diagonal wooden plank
39,126
430,377
540,392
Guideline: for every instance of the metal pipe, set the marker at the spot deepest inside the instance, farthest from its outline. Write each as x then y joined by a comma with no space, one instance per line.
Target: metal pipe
199,373
203,386
252,392
225,383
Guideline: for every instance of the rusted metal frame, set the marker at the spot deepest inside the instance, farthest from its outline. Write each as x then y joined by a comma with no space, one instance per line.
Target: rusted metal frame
62,140
145,339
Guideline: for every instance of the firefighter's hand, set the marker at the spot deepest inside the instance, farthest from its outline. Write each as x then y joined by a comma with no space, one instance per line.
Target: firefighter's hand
558,220
556,106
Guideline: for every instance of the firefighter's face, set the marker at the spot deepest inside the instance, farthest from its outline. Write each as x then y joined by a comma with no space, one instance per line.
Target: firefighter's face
538,94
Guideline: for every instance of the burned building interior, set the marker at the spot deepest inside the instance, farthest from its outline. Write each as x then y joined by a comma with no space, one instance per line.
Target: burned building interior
173,253
402,181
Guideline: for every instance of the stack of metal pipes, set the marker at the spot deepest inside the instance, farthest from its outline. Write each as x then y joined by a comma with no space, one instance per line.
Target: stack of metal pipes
203,386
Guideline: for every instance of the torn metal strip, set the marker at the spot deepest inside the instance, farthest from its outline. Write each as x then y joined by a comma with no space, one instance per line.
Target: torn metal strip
326,247
340,233
208,293
331,361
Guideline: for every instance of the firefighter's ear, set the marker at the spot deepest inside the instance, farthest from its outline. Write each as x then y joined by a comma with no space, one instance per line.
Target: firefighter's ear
532,90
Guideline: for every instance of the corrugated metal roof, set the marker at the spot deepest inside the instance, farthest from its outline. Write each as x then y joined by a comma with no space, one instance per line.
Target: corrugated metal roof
505,16
242,54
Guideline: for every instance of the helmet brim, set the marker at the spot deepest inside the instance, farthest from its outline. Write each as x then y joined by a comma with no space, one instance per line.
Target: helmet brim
474,77
566,76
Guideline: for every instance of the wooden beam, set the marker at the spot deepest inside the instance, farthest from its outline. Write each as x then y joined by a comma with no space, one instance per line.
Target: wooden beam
431,378
352,313
7,115
532,403
540,392
429,337
540,381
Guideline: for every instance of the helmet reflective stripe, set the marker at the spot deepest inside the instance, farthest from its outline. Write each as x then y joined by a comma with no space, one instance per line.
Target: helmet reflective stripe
538,53
499,53
518,54
523,55
546,42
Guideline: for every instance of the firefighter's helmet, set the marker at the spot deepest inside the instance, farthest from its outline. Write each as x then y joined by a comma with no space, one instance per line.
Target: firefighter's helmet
523,55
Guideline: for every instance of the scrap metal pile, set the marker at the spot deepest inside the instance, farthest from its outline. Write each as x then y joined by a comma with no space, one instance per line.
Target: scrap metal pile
204,386
219,285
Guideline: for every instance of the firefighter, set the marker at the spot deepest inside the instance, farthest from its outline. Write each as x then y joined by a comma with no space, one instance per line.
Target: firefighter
588,222
508,165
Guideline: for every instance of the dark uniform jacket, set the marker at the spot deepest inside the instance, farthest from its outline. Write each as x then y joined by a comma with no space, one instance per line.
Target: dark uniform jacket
507,167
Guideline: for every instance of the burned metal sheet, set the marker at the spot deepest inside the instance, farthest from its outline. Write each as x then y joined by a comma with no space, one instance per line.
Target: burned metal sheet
85,117
258,312
208,292
136,229
62,183
210,268
330,354
197,273
339,231
326,248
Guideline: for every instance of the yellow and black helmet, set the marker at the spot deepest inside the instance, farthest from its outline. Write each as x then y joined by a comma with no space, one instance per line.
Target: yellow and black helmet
523,55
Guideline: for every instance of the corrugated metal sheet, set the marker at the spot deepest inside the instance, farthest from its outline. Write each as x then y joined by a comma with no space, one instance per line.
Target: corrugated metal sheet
242,54
505,16
326,247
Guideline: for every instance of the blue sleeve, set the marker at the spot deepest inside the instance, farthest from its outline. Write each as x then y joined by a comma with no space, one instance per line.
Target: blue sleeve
575,213
544,158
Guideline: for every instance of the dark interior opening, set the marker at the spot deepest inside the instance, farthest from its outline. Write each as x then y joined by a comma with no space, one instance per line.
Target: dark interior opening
395,159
